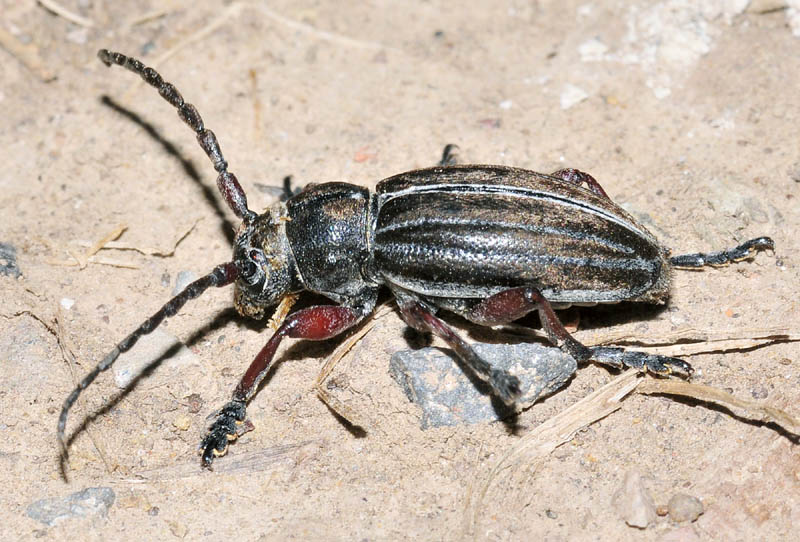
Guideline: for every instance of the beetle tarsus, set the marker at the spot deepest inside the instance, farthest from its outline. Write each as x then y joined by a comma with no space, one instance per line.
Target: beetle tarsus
723,257
449,155
660,365
222,431
505,386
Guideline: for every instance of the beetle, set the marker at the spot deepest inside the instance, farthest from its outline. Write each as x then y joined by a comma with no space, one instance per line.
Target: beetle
490,243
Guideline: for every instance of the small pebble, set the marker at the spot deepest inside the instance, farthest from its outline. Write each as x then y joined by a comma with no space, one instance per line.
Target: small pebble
157,347
67,303
572,95
182,422
194,403
633,503
592,50
178,529
684,508
759,392
183,280
8,260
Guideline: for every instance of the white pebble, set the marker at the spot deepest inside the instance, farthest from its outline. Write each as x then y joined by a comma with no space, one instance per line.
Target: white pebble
572,95
592,50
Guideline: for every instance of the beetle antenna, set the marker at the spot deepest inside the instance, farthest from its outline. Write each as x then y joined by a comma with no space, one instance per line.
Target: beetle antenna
222,275
227,182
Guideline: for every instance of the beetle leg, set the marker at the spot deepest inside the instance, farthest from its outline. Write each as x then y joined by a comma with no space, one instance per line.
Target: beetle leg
723,257
449,155
514,303
577,177
288,190
419,315
511,304
315,323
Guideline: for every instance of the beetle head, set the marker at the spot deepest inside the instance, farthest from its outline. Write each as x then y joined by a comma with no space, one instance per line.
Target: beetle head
263,260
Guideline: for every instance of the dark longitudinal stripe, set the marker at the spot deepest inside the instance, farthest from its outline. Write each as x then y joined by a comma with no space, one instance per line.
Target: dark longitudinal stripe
439,243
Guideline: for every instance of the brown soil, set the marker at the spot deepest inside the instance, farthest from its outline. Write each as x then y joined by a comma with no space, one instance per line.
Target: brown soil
689,117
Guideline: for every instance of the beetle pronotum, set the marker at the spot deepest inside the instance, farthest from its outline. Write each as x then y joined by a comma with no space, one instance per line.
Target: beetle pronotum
490,243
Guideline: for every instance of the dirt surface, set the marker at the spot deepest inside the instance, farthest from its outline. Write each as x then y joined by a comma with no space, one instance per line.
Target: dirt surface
688,116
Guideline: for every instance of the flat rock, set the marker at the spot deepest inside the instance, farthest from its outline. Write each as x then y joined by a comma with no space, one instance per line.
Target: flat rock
435,380
92,501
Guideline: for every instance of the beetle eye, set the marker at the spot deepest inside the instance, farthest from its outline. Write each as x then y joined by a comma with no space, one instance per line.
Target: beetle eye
248,271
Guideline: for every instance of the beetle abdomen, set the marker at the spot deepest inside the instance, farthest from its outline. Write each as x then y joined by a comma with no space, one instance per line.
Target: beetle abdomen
479,230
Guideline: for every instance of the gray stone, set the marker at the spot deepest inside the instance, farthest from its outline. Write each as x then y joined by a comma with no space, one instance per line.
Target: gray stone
8,260
89,502
684,508
182,280
434,379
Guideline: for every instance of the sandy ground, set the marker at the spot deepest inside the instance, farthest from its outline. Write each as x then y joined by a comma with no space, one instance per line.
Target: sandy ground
688,116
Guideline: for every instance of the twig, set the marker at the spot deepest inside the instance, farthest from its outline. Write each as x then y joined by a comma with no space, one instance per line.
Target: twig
28,55
94,259
322,34
344,411
148,16
61,11
536,445
691,334
147,251
282,311
740,407
98,245
234,10
680,342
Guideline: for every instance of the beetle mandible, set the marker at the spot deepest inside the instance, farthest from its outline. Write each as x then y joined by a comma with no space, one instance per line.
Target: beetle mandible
490,243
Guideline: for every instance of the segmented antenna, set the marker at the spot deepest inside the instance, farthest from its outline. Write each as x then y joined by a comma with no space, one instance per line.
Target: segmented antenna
222,275
227,182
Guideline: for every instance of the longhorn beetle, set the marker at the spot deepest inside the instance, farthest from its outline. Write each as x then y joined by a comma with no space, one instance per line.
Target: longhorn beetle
490,243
